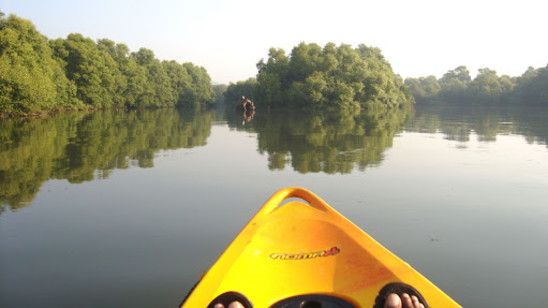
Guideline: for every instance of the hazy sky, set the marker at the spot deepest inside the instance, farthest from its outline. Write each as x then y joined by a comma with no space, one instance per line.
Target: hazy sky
418,37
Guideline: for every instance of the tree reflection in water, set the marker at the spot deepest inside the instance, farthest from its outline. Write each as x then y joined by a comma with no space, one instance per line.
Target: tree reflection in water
329,142
82,147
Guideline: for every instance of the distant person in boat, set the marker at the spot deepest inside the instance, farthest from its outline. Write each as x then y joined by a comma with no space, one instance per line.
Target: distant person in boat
392,301
247,117
247,104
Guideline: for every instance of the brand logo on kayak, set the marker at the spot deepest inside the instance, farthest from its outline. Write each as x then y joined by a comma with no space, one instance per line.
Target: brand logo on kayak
307,255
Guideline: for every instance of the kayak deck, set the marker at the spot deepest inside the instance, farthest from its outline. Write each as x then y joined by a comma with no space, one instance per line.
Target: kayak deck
299,248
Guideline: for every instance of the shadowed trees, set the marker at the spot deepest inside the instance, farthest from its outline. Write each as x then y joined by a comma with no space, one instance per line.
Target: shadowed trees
487,88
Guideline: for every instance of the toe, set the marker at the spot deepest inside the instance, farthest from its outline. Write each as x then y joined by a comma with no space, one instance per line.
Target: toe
406,301
416,302
392,301
236,305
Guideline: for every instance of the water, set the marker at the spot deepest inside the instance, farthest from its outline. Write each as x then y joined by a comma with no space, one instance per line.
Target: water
128,209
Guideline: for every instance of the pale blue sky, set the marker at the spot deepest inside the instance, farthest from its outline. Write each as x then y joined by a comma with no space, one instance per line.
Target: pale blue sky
228,38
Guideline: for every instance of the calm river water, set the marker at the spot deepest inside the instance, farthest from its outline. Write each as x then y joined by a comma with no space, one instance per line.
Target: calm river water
116,209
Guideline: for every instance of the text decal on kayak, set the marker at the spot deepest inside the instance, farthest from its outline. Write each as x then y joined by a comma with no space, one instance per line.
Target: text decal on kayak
333,251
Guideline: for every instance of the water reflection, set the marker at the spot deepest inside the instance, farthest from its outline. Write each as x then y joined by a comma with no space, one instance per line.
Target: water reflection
457,123
325,142
137,227
81,147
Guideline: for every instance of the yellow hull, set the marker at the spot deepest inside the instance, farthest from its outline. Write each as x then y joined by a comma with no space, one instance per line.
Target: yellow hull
298,248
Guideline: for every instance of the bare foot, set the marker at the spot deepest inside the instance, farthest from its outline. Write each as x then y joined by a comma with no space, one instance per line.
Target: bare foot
232,305
405,301
392,301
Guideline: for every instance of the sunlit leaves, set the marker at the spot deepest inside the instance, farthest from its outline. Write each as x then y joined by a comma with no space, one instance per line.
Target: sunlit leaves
333,77
30,79
38,75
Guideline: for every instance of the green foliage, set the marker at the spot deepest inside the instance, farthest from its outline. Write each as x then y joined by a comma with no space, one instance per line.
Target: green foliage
220,90
331,77
235,91
156,91
39,76
487,88
30,79
532,87
131,78
270,77
92,70
424,88
180,82
201,90
460,73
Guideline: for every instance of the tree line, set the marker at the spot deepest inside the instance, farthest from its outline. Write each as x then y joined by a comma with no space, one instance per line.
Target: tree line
41,75
457,87
332,77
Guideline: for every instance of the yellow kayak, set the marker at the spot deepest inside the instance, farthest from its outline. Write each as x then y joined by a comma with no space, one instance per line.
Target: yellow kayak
303,253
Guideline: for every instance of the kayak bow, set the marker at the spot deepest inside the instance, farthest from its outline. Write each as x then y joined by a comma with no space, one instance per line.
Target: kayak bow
298,254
